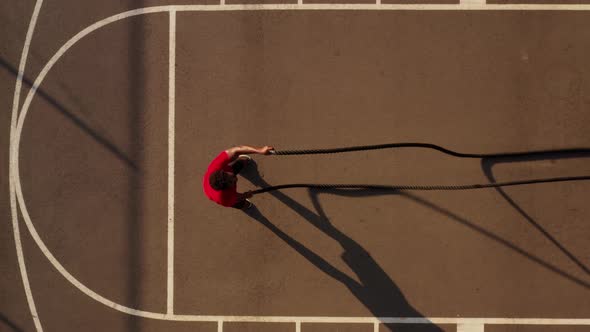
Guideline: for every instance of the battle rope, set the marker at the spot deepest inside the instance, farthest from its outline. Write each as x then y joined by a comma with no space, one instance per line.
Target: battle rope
434,187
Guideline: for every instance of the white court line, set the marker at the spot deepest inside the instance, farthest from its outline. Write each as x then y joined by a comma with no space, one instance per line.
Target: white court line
470,328
16,181
12,168
171,129
383,320
384,7
473,2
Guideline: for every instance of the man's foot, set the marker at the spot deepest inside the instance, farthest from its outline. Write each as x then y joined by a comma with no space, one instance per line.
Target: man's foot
247,205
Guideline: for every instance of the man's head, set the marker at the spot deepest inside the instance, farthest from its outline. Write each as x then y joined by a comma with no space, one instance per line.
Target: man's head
220,180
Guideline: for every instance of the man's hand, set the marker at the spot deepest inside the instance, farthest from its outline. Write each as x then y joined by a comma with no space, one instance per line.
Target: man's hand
266,149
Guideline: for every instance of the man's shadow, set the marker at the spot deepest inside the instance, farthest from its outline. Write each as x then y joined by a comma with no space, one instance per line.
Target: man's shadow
376,290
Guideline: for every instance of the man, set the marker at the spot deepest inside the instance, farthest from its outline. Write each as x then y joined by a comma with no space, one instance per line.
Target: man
219,182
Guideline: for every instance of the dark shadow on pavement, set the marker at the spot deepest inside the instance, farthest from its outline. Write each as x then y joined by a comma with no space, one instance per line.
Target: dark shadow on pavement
376,290
496,238
136,91
251,173
9,324
72,117
487,164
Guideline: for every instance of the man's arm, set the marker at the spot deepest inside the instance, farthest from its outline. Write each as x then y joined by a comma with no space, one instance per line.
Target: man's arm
234,152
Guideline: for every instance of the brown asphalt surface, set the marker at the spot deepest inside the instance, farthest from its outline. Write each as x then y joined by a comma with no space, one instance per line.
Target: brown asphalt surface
93,164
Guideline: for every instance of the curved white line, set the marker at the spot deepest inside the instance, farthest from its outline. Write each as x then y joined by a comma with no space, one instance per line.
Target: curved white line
12,165
16,182
16,170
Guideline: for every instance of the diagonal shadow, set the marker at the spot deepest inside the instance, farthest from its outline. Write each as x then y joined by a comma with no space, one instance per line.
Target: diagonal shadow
490,235
248,173
487,165
9,324
72,117
136,91
376,290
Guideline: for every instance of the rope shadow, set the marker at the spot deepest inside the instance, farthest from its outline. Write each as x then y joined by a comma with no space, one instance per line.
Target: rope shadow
376,290
488,163
251,174
455,217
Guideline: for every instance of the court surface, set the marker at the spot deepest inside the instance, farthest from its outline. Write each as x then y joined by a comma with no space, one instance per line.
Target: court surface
121,106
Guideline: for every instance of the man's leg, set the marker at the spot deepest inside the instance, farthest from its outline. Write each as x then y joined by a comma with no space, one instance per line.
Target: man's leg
238,166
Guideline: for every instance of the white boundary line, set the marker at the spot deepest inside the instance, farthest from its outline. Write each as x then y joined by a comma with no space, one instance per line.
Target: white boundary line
171,131
12,168
470,328
372,6
473,2
16,183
